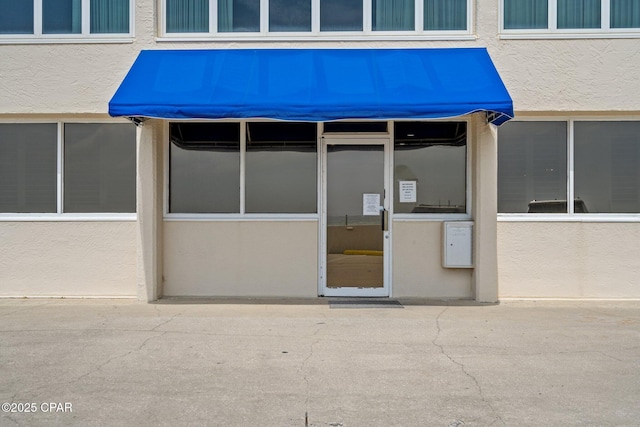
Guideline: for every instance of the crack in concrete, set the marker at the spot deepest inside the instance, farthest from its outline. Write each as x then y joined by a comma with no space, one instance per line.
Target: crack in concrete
166,321
121,356
135,350
462,367
303,366
303,369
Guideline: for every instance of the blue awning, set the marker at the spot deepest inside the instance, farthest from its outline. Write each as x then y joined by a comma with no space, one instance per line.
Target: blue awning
312,84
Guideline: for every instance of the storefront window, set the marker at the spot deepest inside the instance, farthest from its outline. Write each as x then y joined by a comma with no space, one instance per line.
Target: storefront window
430,163
532,167
607,166
28,165
204,168
99,168
281,168
278,168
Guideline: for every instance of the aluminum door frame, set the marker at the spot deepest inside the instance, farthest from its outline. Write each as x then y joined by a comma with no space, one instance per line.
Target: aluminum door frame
386,290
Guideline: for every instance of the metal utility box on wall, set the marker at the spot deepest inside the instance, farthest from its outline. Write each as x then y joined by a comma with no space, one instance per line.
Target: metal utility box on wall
457,244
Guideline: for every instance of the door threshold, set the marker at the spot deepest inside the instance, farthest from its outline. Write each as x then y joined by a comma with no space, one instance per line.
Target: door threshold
360,302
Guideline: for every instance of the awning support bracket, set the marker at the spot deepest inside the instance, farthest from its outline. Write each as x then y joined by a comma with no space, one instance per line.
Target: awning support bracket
138,121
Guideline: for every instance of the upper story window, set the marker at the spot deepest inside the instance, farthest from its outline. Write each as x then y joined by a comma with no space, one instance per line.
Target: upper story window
60,19
570,17
299,18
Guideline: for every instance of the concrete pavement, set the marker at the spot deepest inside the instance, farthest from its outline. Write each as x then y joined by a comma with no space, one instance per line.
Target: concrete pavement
268,363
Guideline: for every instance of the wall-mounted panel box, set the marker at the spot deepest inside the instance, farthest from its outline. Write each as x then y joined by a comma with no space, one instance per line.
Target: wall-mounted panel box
457,244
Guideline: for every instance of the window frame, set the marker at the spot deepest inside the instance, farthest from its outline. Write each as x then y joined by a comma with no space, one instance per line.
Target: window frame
466,216
366,34
553,32
85,35
60,215
571,215
242,214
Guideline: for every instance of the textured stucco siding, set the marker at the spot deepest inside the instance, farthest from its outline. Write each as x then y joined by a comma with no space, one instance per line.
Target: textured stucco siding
77,80
590,75
258,259
417,264
569,260
68,259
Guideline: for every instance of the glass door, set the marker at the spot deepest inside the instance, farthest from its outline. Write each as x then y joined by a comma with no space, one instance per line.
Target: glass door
356,226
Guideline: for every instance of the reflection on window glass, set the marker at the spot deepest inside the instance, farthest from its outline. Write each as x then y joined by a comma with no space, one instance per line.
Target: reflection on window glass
290,15
238,16
341,15
281,168
579,14
526,14
16,17
28,165
354,171
99,167
607,166
445,14
187,16
204,168
532,167
430,167
61,16
393,15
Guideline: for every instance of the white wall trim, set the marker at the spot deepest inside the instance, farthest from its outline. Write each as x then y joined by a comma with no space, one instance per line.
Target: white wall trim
596,218
54,217
241,218
431,217
557,36
314,38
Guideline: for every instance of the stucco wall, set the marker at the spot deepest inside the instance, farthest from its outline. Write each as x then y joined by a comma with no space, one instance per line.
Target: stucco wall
541,75
259,259
580,75
574,260
417,263
68,259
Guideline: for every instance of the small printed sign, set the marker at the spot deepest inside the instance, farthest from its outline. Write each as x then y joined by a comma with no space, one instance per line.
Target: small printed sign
407,191
370,204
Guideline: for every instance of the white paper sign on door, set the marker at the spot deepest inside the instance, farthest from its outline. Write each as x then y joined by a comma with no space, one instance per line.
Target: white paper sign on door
370,204
408,191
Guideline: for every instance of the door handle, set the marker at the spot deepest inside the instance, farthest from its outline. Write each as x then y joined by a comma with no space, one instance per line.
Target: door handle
384,219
